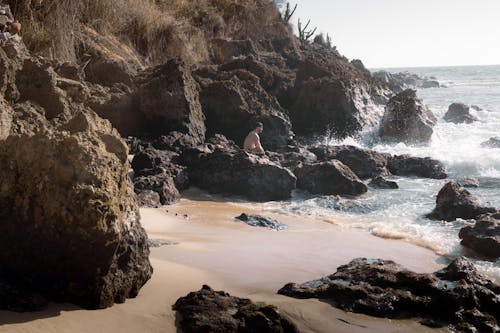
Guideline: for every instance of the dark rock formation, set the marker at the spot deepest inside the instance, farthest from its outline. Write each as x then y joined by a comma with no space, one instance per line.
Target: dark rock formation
360,66
365,163
330,178
225,50
208,311
381,182
15,299
405,80
425,167
407,119
459,113
484,236
456,295
69,225
453,201
260,221
222,167
491,143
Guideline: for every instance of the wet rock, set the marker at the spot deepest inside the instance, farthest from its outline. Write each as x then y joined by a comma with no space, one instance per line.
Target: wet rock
19,300
294,158
365,163
491,143
381,182
484,236
330,178
453,201
216,311
383,288
69,227
160,242
459,113
425,167
222,167
260,221
469,182
407,119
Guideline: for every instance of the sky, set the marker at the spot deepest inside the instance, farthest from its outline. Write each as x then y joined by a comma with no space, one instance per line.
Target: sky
409,33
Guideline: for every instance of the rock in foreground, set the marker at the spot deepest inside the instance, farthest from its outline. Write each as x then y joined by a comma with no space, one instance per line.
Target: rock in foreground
407,119
260,221
484,236
456,295
207,311
453,201
69,223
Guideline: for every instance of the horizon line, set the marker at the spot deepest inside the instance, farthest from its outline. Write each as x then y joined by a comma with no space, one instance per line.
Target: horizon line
431,66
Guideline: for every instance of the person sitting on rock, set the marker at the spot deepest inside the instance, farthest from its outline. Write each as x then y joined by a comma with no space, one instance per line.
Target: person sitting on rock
252,141
11,29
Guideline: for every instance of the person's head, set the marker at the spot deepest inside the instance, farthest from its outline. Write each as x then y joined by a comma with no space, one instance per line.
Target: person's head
259,127
15,27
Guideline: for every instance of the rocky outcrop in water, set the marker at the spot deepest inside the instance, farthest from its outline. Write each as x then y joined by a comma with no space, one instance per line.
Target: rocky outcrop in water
405,80
425,167
382,183
459,113
383,288
216,311
491,143
484,236
222,167
260,221
330,178
365,163
453,201
407,119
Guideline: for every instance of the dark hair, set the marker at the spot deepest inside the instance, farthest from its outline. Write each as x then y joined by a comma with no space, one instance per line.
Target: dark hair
258,124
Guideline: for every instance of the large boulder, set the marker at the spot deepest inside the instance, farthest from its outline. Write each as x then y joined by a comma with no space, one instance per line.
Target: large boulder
168,96
330,178
453,201
425,167
383,288
484,236
222,167
234,101
207,310
69,223
365,163
459,113
407,119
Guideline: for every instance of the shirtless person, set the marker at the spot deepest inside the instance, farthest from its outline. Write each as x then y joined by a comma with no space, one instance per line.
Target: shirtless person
252,141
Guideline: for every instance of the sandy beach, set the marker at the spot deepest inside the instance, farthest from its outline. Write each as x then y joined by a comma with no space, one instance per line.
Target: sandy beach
209,247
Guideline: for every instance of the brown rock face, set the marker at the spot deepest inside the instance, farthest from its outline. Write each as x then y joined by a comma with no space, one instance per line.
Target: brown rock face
207,311
484,236
69,226
407,119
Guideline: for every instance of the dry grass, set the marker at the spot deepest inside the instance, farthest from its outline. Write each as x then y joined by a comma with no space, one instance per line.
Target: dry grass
157,29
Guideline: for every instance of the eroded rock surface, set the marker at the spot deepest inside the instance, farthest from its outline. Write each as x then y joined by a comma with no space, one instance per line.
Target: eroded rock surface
207,311
457,295
484,236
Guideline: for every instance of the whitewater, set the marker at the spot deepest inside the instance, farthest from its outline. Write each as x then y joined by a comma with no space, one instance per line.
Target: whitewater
400,213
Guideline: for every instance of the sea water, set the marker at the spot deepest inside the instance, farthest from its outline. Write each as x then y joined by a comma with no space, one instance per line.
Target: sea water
400,213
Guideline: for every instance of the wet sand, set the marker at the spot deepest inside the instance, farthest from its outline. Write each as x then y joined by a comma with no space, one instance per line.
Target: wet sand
245,261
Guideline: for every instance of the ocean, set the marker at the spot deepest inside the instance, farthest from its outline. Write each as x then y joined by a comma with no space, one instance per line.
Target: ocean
400,213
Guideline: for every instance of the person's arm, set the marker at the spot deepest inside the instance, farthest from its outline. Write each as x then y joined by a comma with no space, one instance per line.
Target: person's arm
258,146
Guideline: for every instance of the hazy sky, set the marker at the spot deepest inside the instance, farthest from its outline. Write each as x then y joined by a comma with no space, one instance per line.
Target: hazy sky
404,33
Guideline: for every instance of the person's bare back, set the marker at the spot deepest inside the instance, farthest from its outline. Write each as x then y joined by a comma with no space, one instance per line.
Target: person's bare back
252,141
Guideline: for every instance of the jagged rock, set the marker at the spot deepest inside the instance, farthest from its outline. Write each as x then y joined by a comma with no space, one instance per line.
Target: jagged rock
381,182
222,167
484,236
491,143
260,221
425,167
169,99
459,113
360,66
469,182
150,158
330,178
453,201
292,159
233,101
159,182
407,119
148,198
383,288
365,163
332,95
69,225
216,311
225,50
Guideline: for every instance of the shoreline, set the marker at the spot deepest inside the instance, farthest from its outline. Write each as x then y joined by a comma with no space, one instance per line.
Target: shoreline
211,248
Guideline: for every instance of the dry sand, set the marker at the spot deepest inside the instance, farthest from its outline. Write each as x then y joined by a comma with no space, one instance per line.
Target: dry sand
248,262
